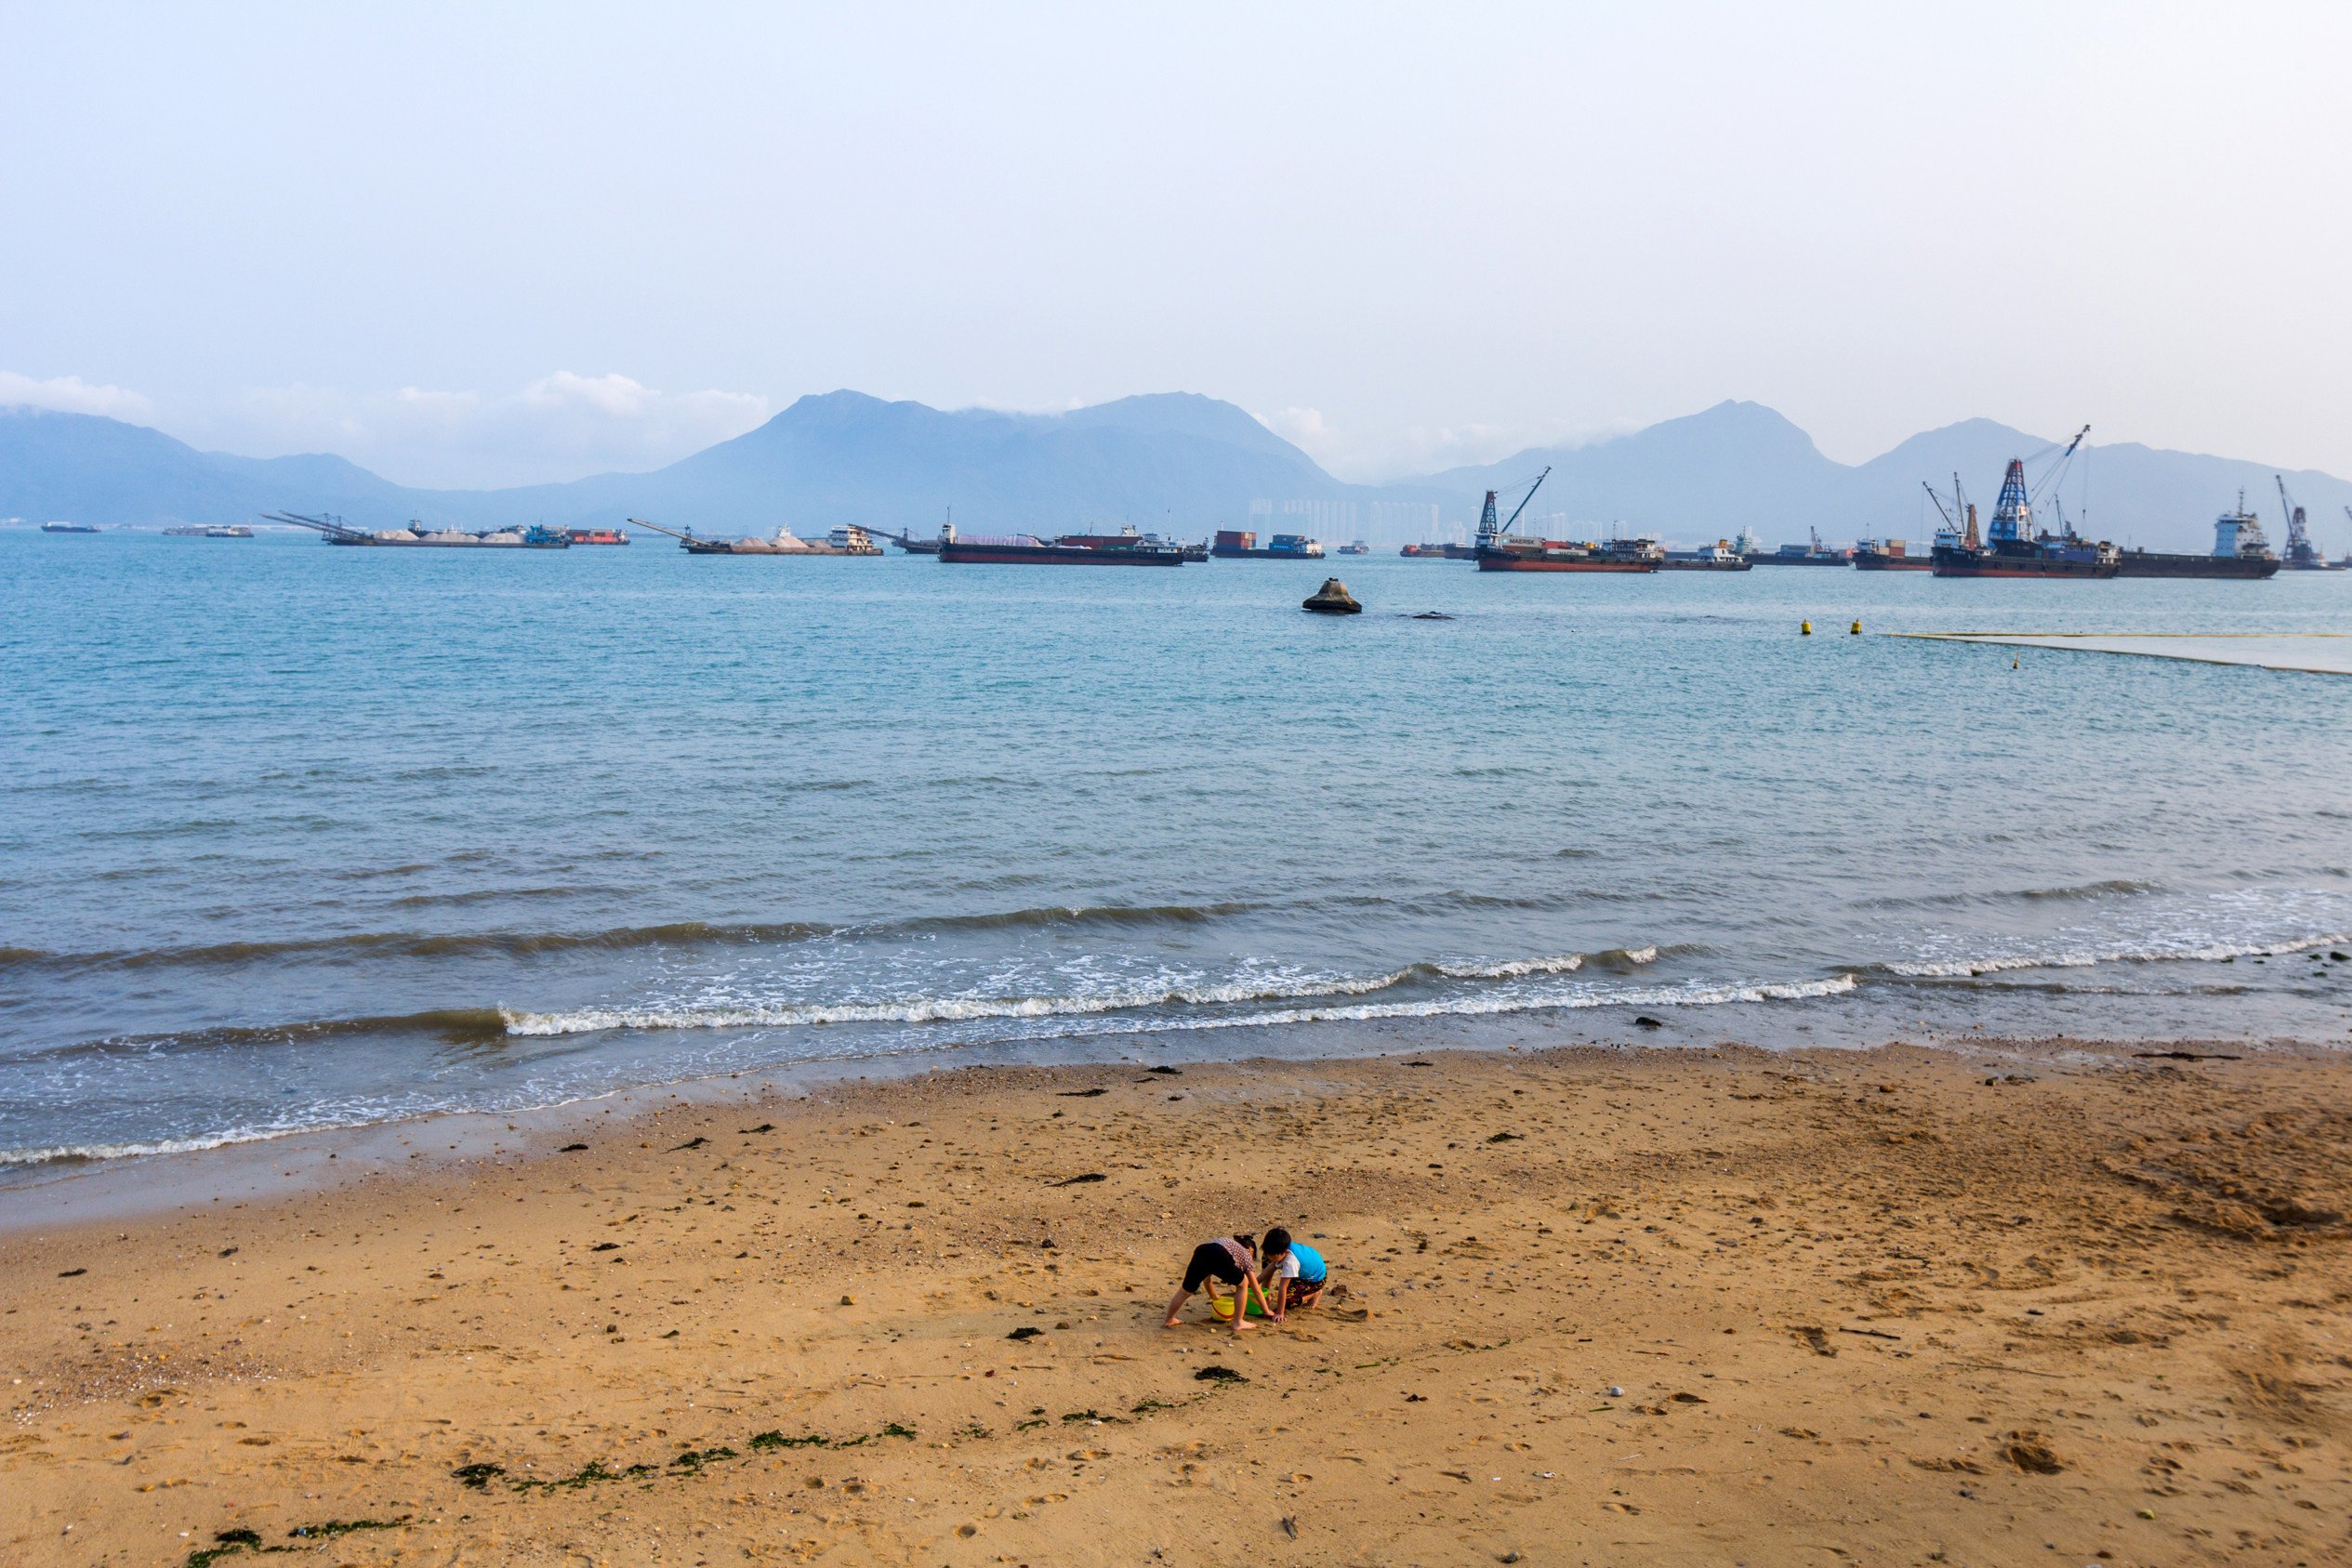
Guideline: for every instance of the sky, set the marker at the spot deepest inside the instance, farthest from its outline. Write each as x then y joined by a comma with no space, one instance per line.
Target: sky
468,244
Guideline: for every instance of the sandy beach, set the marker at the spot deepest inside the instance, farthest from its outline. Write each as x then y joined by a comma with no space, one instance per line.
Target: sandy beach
2022,1303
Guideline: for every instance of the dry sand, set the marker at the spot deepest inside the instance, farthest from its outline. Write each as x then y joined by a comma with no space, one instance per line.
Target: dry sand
2042,1304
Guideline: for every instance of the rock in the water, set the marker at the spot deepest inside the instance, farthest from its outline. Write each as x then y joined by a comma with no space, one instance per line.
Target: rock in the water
1332,599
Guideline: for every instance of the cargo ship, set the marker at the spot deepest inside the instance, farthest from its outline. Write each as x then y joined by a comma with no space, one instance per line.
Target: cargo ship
1888,555
2240,550
416,535
1439,552
1241,544
1028,549
1717,557
209,531
851,540
69,528
1813,554
1128,539
598,535
1498,550
1358,547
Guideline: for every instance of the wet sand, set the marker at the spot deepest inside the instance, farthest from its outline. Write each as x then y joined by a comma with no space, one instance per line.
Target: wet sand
2038,1303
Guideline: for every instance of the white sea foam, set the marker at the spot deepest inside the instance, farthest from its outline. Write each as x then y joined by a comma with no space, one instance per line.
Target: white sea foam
60,1153
1513,969
2204,953
949,1009
940,1009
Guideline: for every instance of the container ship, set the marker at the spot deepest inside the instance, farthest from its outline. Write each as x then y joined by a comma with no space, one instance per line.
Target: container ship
2240,550
1717,557
851,540
416,535
1889,555
1813,554
1498,550
1241,544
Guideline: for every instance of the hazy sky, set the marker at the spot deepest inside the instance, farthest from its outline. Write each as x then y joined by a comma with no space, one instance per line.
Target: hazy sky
495,242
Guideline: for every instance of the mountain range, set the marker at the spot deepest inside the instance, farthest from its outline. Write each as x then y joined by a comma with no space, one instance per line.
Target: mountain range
1175,462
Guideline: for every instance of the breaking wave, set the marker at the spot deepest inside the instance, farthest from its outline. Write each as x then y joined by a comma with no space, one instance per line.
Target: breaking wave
937,1010
1961,969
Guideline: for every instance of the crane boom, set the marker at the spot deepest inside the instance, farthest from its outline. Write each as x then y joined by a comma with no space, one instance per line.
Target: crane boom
1527,498
1940,504
641,522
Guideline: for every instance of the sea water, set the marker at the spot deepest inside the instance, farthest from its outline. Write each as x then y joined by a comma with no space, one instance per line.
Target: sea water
299,836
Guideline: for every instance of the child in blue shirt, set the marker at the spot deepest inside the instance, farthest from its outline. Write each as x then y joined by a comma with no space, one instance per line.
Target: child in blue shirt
1300,1268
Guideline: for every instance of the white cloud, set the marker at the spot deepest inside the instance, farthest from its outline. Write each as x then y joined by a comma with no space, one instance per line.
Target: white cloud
1420,449
561,426
71,394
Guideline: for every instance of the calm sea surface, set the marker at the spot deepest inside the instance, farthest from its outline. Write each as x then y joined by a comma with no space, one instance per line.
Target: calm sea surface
298,835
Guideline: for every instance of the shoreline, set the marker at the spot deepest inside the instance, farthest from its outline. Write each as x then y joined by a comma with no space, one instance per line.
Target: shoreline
99,1189
1617,1303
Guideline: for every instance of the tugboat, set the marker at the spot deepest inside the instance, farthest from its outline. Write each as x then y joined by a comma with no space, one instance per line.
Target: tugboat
1498,550
2240,550
2011,548
1814,554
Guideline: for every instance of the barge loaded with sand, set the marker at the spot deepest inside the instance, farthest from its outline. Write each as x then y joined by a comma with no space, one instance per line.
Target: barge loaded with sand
851,540
417,535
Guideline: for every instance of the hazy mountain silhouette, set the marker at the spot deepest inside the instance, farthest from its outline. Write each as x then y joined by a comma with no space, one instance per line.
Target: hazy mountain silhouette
1171,461
1738,463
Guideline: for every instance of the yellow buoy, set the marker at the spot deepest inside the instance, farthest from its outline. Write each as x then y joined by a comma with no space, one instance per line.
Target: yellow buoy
1804,628
1854,630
